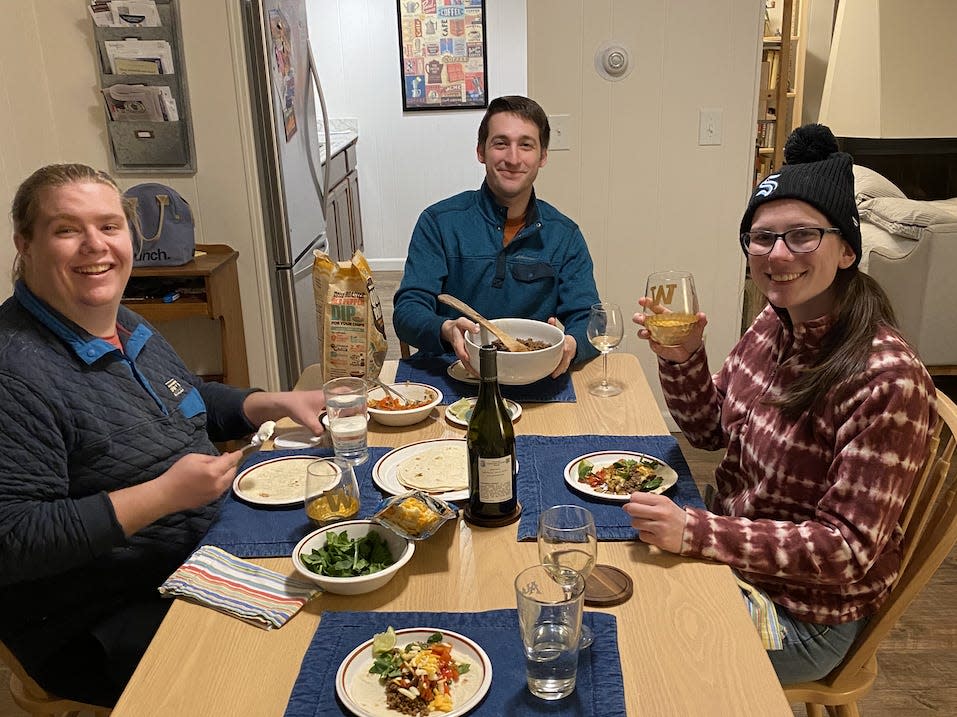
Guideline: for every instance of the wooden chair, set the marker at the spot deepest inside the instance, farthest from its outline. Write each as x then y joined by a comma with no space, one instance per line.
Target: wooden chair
929,521
32,698
405,350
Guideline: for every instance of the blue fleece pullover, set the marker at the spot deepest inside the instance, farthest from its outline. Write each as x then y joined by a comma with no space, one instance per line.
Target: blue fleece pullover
456,248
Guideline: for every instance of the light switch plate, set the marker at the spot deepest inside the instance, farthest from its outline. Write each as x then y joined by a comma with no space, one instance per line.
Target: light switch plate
709,126
561,132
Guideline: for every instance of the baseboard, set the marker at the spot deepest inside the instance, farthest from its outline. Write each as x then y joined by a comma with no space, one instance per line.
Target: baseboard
396,264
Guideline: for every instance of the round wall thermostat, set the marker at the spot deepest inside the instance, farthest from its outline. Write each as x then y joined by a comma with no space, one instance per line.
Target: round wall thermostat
612,61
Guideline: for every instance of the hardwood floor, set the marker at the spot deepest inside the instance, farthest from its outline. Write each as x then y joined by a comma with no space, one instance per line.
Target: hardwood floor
917,662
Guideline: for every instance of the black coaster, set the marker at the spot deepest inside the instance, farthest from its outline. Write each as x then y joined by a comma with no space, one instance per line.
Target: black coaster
493,522
607,586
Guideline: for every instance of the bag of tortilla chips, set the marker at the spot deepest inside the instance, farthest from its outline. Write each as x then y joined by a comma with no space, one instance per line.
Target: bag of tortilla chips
352,338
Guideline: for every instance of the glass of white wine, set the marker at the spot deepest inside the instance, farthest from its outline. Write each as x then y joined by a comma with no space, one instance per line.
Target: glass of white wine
605,331
673,312
332,492
568,547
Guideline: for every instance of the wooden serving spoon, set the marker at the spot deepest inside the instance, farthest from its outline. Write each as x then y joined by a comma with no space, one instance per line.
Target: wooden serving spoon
512,344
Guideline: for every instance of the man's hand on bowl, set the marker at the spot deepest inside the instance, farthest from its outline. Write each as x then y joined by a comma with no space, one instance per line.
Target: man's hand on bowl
568,351
453,332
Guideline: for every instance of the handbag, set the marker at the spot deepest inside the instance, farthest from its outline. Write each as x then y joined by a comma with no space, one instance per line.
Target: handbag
164,231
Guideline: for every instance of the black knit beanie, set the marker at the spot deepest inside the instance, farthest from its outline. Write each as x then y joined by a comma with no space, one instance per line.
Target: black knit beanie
815,172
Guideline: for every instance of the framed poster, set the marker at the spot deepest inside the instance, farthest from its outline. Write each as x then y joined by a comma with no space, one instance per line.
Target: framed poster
442,54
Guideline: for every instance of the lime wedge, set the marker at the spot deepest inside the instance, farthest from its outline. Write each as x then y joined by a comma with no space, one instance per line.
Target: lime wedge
383,641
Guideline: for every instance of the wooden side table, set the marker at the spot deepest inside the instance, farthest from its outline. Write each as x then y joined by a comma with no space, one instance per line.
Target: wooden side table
221,301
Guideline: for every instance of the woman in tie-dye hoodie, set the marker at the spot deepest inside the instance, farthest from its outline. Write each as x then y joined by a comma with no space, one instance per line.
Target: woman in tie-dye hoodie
824,412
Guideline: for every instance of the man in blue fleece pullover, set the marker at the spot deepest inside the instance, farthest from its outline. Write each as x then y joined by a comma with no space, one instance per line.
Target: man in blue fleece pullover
498,248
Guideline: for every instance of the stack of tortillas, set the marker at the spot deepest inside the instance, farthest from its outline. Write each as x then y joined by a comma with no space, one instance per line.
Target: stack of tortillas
436,470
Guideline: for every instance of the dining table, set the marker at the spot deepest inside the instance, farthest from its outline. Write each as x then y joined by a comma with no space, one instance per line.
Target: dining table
686,641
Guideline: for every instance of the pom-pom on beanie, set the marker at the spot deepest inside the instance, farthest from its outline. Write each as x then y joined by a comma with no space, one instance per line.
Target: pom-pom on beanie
815,172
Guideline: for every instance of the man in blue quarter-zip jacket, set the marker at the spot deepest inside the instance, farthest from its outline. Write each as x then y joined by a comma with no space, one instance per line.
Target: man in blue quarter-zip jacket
498,248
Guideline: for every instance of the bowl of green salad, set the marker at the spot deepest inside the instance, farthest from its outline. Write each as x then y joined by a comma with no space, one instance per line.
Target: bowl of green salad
351,557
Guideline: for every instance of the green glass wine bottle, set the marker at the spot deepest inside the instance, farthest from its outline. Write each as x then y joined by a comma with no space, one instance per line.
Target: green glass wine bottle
491,449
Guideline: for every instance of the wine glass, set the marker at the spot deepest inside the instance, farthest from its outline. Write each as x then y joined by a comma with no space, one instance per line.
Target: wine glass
605,331
568,547
673,313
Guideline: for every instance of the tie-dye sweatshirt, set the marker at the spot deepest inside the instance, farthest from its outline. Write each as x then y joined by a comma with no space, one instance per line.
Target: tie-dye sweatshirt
805,509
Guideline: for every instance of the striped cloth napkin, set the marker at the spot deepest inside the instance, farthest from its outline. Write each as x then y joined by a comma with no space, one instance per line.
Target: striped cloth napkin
763,614
261,597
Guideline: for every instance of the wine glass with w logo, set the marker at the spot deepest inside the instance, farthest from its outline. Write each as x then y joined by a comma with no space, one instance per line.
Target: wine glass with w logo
605,331
672,314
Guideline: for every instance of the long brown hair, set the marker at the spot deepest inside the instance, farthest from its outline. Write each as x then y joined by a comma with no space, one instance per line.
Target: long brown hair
25,206
862,308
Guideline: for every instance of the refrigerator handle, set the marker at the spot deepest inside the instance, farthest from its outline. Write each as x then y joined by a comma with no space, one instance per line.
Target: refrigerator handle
322,188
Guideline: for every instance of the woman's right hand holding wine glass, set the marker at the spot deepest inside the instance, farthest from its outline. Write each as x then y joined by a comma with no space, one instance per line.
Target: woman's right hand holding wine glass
670,319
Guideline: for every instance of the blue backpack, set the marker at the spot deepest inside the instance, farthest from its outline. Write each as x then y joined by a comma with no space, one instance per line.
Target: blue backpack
166,233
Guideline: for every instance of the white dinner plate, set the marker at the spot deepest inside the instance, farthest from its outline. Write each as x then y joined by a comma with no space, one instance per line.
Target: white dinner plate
363,695
514,409
385,471
458,372
600,459
287,473
299,438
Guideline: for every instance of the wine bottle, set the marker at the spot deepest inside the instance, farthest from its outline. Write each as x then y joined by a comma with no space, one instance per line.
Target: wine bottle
491,449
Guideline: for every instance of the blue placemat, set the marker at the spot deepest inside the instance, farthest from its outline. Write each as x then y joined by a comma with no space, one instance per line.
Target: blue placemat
599,691
541,479
433,371
257,531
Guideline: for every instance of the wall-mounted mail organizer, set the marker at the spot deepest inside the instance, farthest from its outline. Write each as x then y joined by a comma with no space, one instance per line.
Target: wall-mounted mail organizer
143,86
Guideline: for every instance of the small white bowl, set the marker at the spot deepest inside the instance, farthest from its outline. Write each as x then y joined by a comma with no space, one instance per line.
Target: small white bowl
401,549
518,369
408,416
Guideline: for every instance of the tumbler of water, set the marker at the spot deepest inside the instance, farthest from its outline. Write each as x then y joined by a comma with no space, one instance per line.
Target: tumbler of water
550,619
346,406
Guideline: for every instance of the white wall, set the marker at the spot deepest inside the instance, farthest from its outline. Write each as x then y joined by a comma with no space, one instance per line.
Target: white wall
408,160
646,195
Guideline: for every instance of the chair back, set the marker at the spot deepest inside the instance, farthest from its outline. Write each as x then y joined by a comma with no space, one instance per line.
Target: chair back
929,521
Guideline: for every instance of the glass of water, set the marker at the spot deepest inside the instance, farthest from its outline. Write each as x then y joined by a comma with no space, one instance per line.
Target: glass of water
550,620
346,407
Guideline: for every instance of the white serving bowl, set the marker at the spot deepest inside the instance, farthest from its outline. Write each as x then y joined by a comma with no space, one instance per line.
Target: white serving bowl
401,549
408,416
518,369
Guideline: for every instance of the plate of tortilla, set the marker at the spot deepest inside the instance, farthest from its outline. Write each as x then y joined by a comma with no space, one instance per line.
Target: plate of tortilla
438,466
277,481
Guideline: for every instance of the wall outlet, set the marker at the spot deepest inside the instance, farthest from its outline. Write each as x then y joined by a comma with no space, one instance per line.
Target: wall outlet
709,126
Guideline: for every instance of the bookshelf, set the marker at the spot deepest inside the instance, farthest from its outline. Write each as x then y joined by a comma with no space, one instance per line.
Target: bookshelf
782,83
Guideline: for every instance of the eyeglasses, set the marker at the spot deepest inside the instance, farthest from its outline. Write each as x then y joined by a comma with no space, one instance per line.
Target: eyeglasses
800,240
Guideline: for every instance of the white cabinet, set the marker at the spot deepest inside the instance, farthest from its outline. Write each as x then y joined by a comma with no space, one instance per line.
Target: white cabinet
344,218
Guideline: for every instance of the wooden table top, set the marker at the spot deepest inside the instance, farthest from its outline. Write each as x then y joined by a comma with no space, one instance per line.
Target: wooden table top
686,642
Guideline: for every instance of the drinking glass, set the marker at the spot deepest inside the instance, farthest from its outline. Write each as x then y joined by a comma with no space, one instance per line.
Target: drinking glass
568,547
550,620
605,331
332,492
673,314
346,407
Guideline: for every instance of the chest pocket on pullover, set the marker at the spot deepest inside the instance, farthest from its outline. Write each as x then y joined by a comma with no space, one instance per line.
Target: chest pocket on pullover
539,271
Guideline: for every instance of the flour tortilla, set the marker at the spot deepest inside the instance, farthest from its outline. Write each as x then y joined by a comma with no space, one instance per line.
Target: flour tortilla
282,480
436,470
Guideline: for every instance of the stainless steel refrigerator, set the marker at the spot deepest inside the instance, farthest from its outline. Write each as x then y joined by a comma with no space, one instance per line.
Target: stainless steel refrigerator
285,95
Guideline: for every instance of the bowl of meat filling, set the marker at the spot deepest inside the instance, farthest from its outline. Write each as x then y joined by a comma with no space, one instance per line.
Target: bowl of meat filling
544,342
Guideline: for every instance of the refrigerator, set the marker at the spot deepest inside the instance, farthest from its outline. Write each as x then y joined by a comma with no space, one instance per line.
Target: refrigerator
285,92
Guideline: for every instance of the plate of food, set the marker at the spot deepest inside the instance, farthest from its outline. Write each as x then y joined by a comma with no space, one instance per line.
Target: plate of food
461,411
277,481
418,670
459,373
615,475
438,466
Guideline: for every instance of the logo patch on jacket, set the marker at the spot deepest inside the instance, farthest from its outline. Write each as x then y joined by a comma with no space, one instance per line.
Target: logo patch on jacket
175,387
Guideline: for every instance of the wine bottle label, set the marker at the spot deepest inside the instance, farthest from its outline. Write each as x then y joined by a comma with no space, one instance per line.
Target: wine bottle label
495,479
